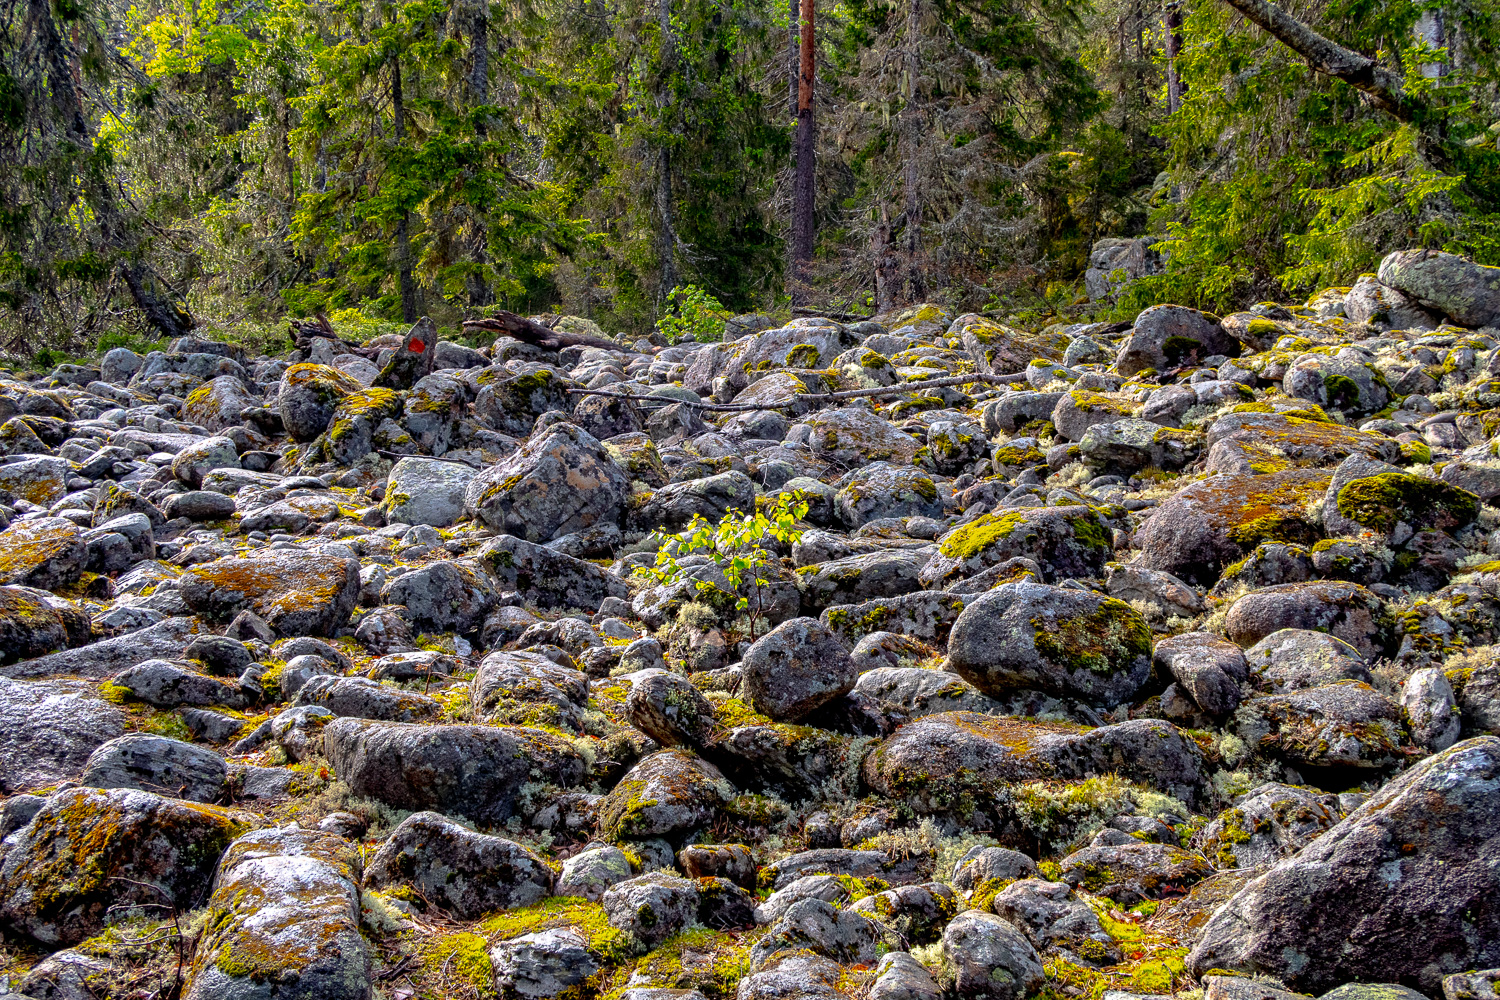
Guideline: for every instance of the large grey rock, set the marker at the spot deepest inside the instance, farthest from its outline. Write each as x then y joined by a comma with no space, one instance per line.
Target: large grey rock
960,762
1070,642
91,857
813,925
1431,709
669,792
48,729
157,764
44,552
1069,541
527,686
466,873
795,668
1269,823
564,481
450,595
308,396
284,921
1056,921
296,592
426,491
548,579
1420,853
364,698
545,964
669,709
1465,292
470,771
651,907
591,872
195,461
987,958
884,489
1209,668
107,656
1292,658
1167,336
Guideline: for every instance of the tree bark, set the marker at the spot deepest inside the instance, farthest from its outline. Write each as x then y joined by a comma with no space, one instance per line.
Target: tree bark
480,293
666,224
1383,87
804,193
403,224
793,66
1175,87
157,303
915,284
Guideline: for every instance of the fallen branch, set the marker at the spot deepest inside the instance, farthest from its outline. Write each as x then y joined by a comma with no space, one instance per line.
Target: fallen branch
814,397
527,331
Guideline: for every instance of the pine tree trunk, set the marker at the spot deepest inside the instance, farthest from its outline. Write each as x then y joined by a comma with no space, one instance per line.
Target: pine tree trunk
403,224
480,293
911,141
152,297
804,231
1175,87
666,226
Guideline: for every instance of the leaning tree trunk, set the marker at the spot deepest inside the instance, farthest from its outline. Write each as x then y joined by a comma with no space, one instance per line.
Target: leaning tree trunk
804,225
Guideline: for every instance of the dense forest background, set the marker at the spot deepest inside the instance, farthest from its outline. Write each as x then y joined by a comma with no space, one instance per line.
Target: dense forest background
231,162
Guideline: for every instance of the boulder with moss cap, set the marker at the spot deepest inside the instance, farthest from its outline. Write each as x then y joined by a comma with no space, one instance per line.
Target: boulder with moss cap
1072,642
284,921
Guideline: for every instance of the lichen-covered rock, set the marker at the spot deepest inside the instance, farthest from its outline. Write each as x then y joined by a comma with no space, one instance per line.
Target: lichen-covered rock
1168,336
364,698
1343,610
560,482
1382,502
927,615
882,489
957,762
1064,542
795,668
455,869
1431,709
157,764
1131,872
1465,292
91,857
528,688
1209,669
48,729
1069,642
284,921
443,596
45,552
426,491
308,396
295,592
1293,658
1055,920
652,907
1347,724
986,957
39,480
915,914
1203,528
1270,822
669,792
1418,853
812,925
547,963
669,709
1334,383
591,872
470,771
855,436
192,463
545,578
29,626
710,498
